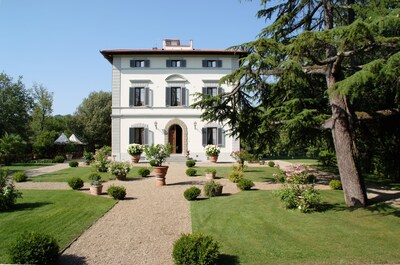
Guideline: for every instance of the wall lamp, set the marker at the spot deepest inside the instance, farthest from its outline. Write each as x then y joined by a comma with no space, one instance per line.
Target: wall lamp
155,124
195,125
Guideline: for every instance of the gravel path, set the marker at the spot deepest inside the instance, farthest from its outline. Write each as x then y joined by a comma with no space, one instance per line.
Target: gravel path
142,228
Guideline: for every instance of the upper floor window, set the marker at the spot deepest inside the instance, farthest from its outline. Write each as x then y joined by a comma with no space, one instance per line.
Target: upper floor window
176,96
140,63
176,63
212,63
212,135
138,96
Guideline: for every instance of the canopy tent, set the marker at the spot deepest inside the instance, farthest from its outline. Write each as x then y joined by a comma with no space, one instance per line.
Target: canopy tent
75,140
62,139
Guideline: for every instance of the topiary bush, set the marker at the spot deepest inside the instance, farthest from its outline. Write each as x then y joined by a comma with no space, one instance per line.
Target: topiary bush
191,193
20,177
152,162
191,172
335,184
58,159
34,248
190,163
75,183
271,163
117,192
212,189
73,163
144,172
195,249
245,184
235,176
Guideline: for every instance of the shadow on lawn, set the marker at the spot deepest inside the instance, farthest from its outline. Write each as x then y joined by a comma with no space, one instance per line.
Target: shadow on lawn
28,205
228,259
72,260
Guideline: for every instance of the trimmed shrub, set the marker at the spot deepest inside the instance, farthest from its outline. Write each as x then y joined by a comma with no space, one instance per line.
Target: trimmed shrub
144,172
152,162
212,189
8,194
335,184
58,159
235,176
245,184
117,192
190,163
271,163
75,183
191,172
34,248
195,249
73,163
95,179
191,193
20,177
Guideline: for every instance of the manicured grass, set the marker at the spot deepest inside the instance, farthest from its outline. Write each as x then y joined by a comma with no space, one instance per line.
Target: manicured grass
302,161
25,166
63,214
258,174
82,172
254,228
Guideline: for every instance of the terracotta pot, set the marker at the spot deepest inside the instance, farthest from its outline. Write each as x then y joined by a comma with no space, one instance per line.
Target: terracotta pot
96,190
121,177
210,175
160,172
213,159
135,158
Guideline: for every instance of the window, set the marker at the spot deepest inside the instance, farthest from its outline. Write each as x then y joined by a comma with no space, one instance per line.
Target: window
176,63
140,63
176,96
138,135
138,96
212,135
212,63
212,90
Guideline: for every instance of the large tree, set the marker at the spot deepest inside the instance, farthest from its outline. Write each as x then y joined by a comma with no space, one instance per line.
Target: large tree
346,48
42,109
93,119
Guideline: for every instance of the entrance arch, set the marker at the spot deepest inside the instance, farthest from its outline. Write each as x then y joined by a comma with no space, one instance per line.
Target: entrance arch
179,128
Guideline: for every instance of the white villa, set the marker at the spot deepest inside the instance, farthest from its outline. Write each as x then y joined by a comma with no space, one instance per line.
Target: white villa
152,90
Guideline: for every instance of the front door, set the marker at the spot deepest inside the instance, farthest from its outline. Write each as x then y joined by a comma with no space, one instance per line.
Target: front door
175,138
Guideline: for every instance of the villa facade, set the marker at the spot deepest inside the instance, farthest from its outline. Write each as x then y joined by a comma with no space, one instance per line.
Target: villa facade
152,91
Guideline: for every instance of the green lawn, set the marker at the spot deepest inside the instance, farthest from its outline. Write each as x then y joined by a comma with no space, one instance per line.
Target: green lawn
63,214
25,166
82,172
253,228
301,161
259,174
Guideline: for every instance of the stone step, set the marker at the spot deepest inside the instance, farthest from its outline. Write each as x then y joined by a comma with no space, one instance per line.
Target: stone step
176,158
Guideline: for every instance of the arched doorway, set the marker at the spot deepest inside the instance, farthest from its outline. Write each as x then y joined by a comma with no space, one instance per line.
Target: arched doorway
175,138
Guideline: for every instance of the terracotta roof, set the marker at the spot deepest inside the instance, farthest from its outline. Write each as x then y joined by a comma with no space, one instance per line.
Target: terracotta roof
108,54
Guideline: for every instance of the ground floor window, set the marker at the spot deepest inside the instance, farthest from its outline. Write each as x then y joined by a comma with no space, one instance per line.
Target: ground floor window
138,135
212,135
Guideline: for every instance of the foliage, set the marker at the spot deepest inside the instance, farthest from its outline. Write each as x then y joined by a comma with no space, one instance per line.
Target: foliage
191,193
58,159
34,248
144,172
245,184
191,172
240,156
119,168
89,157
20,177
235,176
327,158
212,189
297,191
210,170
271,163
159,153
15,105
73,163
195,249
11,147
43,145
135,149
101,159
152,163
8,194
117,192
95,179
75,183
190,163
335,184
93,119
212,150
42,108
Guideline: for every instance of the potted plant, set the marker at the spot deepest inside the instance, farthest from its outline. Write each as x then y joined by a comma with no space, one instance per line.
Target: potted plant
212,189
135,150
210,173
159,153
212,151
240,156
119,169
95,184
88,157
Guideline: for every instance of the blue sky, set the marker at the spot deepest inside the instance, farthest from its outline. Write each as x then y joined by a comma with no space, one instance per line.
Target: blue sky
56,43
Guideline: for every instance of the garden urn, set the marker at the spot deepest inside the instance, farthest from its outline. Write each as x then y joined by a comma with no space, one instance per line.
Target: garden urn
96,190
160,172
213,159
135,158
